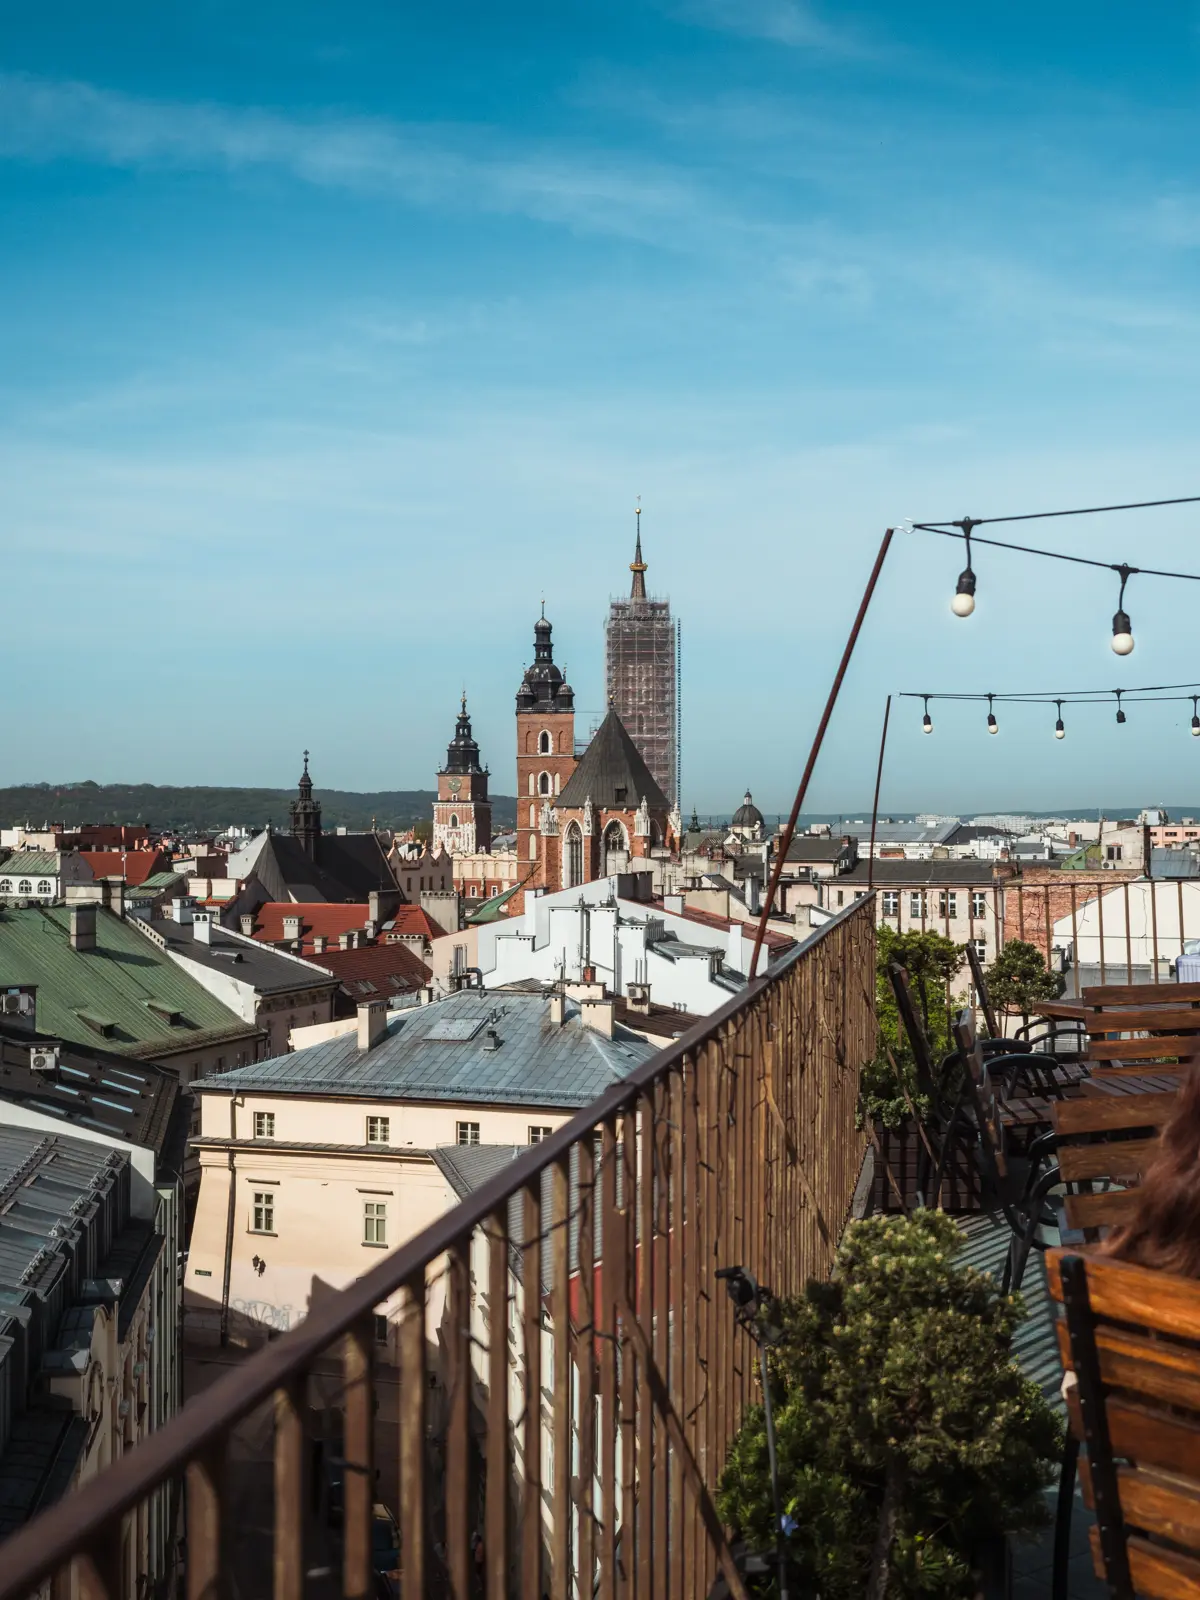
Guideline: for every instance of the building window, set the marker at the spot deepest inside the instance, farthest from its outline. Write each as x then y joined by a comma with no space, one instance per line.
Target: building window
454,819
574,856
379,1130
533,847
916,903
533,816
24,887
543,783
978,903
263,1213
948,903
537,1132
1113,853
891,902
980,948
466,1132
474,891
45,887
264,1124
374,1222
545,743
381,1329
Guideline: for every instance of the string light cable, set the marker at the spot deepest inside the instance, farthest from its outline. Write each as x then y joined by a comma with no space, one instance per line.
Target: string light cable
963,602
1148,694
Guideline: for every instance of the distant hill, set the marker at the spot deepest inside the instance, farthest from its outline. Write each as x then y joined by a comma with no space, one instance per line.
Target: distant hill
204,810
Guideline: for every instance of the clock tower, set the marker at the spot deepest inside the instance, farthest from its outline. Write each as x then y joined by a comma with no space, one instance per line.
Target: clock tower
462,813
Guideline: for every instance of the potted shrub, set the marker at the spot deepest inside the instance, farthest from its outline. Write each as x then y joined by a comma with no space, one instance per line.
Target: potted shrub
909,1442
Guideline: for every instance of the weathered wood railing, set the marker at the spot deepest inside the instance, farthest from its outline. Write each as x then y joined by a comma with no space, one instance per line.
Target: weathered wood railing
586,1419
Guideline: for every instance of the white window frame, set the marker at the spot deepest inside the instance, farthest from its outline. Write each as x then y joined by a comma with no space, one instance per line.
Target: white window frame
978,904
466,1133
980,948
539,1131
890,903
262,1211
375,1223
264,1124
379,1130
916,904
947,902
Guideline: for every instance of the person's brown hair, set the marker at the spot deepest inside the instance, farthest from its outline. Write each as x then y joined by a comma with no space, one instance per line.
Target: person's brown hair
1164,1231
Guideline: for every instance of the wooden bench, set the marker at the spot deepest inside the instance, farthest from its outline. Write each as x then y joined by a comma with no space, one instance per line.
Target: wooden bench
1138,1028
1130,1338
1108,1138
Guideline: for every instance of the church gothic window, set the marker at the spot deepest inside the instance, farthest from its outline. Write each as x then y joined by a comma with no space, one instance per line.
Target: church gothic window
545,743
614,843
574,856
454,819
543,783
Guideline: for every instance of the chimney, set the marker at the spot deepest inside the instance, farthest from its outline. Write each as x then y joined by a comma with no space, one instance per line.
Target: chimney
343,941
247,925
318,944
673,903
83,927
558,1010
202,927
371,931
638,996
291,926
181,910
372,1023
598,1015
753,896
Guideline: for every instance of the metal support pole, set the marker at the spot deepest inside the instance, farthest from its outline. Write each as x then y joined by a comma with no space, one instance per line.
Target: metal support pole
887,711
789,832
772,1459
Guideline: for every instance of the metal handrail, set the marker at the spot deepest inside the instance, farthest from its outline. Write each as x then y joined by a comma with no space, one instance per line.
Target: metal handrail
66,1529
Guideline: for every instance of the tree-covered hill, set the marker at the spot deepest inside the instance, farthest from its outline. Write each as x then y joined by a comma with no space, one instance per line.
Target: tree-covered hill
204,810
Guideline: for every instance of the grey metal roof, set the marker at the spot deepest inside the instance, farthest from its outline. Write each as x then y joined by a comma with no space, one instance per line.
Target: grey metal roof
1170,863
246,960
132,1100
43,1178
916,873
537,1062
807,848
613,773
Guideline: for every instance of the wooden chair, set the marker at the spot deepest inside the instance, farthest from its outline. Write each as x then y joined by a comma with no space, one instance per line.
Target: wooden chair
1142,1030
1103,1139
1131,1339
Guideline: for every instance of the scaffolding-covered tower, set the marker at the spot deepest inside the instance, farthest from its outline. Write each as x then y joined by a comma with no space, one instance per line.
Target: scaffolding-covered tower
640,671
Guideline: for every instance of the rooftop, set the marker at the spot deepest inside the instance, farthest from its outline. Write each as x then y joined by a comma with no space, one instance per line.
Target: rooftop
612,772
917,872
442,1052
32,863
97,1089
126,991
133,866
331,921
267,970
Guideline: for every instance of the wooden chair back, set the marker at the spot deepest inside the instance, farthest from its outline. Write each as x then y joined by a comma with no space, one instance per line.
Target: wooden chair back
979,1088
1142,1022
982,996
1106,1138
1131,1337
928,1076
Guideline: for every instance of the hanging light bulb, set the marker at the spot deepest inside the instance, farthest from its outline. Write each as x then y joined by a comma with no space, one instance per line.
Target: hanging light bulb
993,726
926,720
1059,731
1120,709
1122,639
1195,718
964,595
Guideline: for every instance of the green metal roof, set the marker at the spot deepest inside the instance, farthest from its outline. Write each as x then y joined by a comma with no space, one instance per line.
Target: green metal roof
491,910
31,863
125,990
157,880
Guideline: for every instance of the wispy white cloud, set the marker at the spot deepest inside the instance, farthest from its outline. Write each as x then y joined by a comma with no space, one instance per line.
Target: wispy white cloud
794,23
446,166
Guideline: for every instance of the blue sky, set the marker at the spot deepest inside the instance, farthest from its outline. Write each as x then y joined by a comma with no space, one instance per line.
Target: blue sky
331,338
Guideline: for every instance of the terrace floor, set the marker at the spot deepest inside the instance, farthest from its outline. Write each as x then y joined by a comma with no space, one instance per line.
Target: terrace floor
1037,1351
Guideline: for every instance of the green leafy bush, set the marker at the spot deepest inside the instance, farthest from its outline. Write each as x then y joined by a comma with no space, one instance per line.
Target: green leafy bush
932,962
1018,979
906,1432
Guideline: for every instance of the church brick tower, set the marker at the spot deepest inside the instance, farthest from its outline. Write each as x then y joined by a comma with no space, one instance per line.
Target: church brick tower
545,754
462,813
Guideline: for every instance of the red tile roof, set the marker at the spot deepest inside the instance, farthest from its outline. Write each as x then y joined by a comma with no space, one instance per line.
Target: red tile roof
332,920
375,971
771,938
134,866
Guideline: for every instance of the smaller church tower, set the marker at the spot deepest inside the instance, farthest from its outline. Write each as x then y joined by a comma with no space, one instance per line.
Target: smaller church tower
545,752
462,814
306,815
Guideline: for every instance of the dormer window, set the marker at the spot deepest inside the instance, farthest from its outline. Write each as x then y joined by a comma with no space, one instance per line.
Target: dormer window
619,793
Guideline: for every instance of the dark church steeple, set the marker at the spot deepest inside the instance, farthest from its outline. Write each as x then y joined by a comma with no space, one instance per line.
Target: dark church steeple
637,566
462,754
543,687
306,815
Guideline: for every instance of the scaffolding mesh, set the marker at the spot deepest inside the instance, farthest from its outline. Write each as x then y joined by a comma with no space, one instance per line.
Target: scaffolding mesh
640,678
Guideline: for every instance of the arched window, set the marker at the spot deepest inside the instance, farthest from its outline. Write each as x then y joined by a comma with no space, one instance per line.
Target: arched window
543,783
556,779
545,743
454,819
45,887
533,816
533,847
613,846
473,891
531,783
24,887
574,856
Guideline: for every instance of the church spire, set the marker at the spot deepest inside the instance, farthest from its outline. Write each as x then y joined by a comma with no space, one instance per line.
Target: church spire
637,566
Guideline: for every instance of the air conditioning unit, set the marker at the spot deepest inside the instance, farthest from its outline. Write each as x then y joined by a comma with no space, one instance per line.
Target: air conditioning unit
12,1004
44,1060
